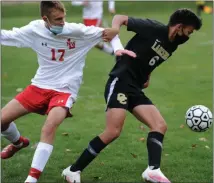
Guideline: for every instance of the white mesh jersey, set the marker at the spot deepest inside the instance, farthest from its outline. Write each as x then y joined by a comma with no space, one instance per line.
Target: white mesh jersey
94,9
61,57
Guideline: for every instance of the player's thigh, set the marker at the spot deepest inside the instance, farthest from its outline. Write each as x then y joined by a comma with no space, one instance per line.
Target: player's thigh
115,118
117,104
56,116
116,113
150,115
11,111
58,108
144,110
54,119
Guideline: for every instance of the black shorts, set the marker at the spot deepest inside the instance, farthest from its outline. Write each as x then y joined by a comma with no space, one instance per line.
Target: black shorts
119,94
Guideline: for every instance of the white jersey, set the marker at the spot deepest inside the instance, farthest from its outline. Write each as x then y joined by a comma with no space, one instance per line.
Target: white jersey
61,57
94,9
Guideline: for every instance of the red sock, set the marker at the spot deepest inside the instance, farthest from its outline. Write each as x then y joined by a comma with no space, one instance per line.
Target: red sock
35,173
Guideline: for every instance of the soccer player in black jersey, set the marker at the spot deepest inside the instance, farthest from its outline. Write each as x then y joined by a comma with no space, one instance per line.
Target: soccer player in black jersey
153,44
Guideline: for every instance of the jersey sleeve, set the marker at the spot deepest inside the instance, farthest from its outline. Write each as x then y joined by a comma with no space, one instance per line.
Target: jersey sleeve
144,27
19,37
90,34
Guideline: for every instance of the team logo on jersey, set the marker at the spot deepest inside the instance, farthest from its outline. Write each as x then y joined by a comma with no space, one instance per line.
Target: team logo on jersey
160,50
44,44
71,45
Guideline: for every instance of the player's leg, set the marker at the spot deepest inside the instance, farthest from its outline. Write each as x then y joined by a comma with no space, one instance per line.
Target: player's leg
58,110
147,113
114,122
12,111
115,117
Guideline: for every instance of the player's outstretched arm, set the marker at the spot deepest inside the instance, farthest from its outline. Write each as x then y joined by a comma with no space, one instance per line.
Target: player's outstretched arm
119,20
118,48
109,34
19,37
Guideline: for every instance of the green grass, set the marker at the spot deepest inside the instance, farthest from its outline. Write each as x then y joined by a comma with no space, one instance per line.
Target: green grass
184,80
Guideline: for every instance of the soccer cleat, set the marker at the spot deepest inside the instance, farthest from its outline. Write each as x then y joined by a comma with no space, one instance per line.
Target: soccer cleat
154,176
71,177
10,150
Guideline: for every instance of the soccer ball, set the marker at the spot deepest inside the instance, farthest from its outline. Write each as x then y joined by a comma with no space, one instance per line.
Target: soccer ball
199,118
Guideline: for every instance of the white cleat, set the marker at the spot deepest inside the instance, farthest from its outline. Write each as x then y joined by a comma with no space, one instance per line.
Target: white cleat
71,177
154,176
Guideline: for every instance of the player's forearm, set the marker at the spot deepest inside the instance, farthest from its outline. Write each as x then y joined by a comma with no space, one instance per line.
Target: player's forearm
7,38
116,44
119,20
14,38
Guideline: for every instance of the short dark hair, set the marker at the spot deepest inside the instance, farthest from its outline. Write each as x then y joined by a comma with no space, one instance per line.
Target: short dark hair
185,16
46,6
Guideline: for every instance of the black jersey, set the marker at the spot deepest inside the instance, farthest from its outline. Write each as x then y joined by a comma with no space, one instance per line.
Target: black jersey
152,47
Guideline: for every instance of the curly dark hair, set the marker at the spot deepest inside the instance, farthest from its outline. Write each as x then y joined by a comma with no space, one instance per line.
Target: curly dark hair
185,16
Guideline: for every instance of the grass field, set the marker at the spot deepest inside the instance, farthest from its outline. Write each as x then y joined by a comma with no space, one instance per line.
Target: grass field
184,80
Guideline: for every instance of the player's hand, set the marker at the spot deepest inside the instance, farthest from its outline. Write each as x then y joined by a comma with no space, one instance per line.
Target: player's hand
146,84
109,34
125,52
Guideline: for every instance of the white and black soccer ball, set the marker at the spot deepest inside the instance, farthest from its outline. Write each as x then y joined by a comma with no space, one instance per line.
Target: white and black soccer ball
199,118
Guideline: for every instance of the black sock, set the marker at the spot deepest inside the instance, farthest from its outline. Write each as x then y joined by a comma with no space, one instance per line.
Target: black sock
94,148
154,146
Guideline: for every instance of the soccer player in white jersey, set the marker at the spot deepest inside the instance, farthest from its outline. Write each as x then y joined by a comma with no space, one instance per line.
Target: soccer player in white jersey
93,15
61,48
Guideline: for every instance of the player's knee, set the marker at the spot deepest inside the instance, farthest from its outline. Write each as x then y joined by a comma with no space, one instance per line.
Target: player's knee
160,126
5,119
163,127
114,133
48,129
4,127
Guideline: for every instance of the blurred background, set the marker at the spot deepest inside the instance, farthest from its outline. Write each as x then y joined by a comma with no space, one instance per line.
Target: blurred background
184,80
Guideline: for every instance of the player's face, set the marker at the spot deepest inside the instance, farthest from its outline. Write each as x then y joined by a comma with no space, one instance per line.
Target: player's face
56,17
182,33
185,30
55,21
